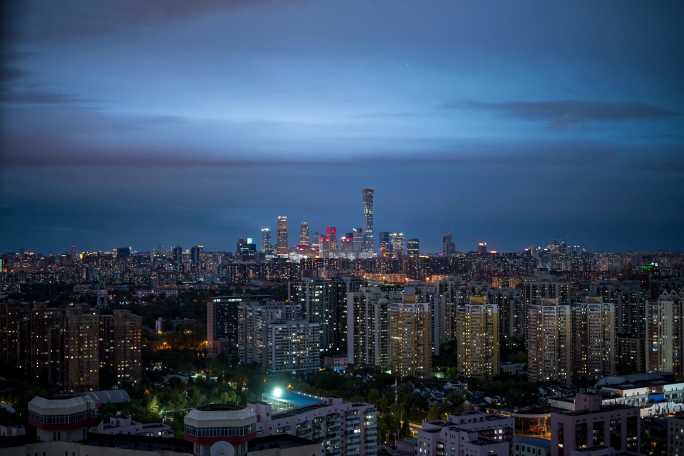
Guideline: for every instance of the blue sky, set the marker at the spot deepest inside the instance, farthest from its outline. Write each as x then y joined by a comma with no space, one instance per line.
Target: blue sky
169,122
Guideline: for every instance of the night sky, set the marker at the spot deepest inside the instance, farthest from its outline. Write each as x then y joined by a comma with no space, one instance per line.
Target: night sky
180,122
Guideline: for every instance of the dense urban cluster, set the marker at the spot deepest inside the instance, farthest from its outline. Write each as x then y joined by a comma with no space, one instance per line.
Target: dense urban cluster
358,346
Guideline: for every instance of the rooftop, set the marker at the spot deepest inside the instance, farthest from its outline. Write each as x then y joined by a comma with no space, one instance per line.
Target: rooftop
281,441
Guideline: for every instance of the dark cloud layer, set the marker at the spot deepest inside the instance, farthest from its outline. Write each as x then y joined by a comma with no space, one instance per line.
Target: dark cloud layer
562,113
39,20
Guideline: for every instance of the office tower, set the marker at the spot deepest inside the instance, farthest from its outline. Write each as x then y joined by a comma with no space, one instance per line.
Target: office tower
324,302
357,241
410,338
266,246
246,249
385,244
664,334
347,245
122,253
81,357
368,326
282,246
330,240
594,346
413,248
368,214
549,341
397,243
294,346
127,334
304,240
482,247
195,252
477,337
448,246
178,256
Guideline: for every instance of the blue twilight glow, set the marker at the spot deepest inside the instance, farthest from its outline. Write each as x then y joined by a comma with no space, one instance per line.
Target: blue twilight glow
169,121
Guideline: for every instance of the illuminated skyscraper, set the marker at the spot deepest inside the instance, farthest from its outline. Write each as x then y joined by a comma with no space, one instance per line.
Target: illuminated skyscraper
482,247
304,240
369,240
331,239
357,240
397,243
477,329
282,247
413,248
266,246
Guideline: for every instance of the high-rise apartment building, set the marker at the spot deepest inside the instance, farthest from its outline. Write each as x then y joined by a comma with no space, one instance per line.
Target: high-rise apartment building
594,345
126,334
368,325
549,341
254,322
664,334
282,247
222,323
293,346
410,338
81,345
477,338
368,195
324,302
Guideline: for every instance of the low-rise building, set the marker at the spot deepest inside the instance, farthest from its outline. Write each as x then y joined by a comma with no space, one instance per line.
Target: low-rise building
473,433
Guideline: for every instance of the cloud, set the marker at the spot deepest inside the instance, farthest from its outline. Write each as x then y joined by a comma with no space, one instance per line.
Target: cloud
36,20
563,113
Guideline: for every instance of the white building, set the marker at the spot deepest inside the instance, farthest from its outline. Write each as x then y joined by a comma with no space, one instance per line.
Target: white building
469,434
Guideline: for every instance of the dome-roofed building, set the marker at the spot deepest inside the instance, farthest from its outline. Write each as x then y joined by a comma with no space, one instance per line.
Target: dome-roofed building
61,418
220,430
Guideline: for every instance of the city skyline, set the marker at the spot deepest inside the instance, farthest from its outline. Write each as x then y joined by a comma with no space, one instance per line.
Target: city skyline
183,123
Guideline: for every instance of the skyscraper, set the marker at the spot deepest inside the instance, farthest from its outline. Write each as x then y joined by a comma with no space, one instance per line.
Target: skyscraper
282,247
448,246
266,246
195,254
477,334
369,241
304,240
413,248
